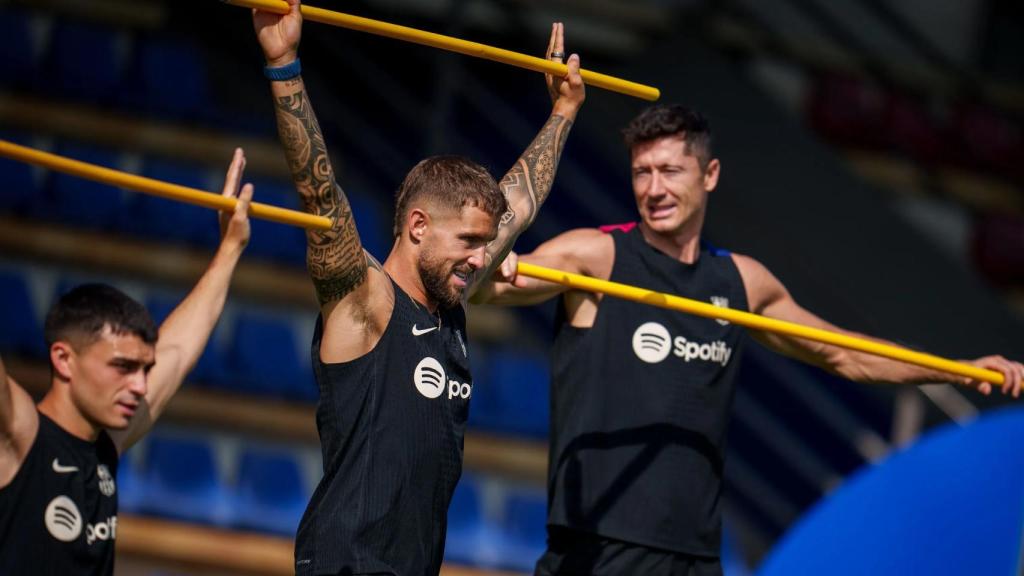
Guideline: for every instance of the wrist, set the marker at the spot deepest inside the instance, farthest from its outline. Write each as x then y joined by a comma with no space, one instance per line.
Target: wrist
566,111
229,250
283,60
283,73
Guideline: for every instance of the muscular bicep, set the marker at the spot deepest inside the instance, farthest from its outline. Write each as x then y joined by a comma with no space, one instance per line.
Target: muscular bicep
768,297
335,259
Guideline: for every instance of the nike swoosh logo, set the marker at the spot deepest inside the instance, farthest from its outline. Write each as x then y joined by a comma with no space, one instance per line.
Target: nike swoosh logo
63,469
418,332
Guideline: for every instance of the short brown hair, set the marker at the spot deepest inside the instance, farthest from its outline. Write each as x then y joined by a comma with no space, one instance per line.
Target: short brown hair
449,182
663,120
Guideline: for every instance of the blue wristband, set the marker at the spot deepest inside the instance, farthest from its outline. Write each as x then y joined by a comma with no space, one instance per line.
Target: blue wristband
286,72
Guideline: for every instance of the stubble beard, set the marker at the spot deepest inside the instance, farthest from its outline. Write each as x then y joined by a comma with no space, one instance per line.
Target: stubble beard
436,275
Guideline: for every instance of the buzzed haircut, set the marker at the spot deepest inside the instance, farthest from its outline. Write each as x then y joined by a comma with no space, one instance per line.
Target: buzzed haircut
81,315
663,120
450,182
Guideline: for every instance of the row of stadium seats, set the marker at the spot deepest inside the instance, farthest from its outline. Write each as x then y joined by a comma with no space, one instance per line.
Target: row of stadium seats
859,113
27,191
102,65
231,483
264,352
181,477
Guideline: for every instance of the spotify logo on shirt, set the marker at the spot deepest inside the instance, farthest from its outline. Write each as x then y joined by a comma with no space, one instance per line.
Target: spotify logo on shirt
431,381
652,343
63,519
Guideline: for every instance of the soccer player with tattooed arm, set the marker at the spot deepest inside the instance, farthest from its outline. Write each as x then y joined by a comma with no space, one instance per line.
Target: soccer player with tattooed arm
389,350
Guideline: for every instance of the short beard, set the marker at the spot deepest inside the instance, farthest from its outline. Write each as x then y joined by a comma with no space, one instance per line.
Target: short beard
435,275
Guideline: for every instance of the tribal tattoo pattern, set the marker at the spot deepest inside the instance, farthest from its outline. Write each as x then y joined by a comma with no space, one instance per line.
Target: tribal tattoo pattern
336,261
527,183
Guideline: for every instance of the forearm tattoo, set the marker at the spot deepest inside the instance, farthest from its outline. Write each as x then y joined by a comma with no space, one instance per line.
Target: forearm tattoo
335,257
530,179
534,172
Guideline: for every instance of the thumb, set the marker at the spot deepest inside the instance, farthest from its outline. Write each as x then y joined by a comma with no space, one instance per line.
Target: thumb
574,66
244,199
510,268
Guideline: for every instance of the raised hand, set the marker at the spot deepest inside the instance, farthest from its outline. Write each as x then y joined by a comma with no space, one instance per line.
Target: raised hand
234,228
567,93
279,34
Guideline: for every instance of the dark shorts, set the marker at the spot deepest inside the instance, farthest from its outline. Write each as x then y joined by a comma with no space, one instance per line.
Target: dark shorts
574,553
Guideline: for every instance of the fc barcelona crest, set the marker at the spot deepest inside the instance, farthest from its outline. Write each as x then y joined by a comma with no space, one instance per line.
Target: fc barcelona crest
721,302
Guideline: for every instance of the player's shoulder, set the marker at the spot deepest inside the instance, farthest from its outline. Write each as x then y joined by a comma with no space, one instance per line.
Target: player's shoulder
746,262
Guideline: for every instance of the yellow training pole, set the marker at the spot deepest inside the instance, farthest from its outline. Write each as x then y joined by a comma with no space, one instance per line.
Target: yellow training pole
452,44
158,188
756,322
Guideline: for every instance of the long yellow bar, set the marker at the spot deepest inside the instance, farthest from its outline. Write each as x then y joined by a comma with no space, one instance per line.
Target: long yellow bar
756,321
452,44
157,187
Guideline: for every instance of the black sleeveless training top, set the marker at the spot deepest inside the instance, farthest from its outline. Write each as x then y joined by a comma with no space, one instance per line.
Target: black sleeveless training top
58,516
640,405
391,429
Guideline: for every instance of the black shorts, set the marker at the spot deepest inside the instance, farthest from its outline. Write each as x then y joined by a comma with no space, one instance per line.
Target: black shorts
575,553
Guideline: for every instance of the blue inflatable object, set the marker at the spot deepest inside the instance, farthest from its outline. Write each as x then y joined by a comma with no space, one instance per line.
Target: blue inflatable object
952,503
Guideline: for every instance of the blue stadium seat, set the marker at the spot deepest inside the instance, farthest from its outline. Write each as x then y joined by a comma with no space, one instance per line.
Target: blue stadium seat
167,220
18,65
84,62
274,241
467,528
525,520
173,77
373,224
211,368
182,481
160,307
266,358
272,493
131,490
22,332
521,385
485,408
82,202
17,185
464,509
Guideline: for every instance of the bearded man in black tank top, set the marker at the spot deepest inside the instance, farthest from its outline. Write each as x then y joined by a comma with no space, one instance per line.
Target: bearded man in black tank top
389,351
111,379
641,395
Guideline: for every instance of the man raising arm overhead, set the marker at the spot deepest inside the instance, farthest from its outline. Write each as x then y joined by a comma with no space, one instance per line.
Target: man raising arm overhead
389,350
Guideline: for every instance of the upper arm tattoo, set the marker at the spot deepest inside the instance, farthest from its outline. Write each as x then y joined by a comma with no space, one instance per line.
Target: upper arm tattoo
334,257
